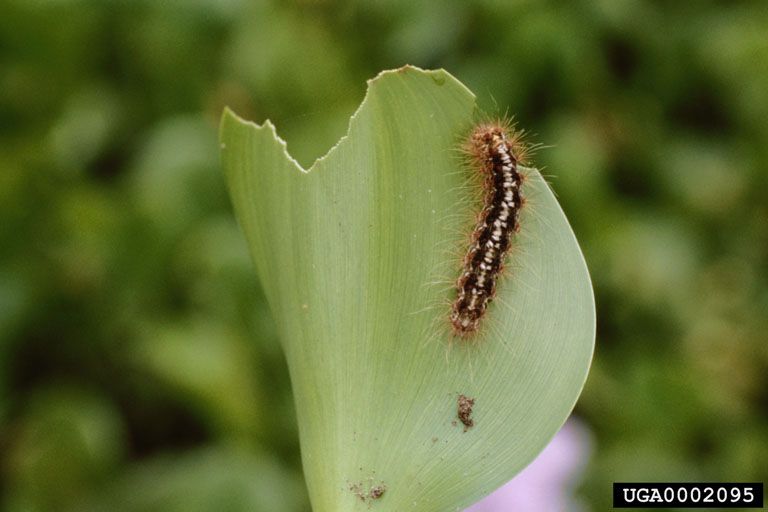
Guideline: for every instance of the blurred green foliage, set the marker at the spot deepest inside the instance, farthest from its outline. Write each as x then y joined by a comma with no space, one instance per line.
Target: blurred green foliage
138,363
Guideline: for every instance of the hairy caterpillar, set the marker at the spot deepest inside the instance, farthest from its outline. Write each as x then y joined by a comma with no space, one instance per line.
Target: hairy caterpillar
495,150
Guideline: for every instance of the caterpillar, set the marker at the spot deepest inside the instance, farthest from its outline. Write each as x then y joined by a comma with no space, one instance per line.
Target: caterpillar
495,150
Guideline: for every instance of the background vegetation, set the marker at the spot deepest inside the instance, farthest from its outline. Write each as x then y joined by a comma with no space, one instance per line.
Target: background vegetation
138,364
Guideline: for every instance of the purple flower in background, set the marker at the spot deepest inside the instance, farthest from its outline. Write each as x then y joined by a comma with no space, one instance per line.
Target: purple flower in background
547,484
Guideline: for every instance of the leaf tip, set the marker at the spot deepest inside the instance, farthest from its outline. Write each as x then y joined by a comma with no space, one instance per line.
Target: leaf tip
230,120
228,116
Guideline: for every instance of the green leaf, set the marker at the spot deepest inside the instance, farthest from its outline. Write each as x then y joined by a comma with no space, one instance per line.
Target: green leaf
357,256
